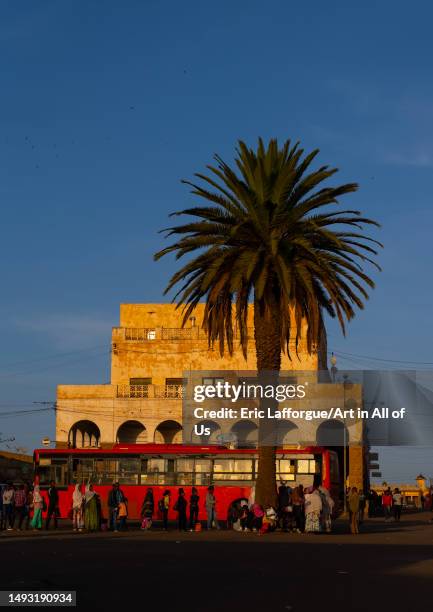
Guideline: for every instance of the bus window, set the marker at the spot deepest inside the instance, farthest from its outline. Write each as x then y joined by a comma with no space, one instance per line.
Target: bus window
307,466
170,475
203,471
155,471
53,469
105,471
185,471
82,469
129,471
233,469
285,469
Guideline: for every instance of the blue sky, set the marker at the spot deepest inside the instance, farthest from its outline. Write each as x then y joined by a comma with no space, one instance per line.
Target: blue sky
104,107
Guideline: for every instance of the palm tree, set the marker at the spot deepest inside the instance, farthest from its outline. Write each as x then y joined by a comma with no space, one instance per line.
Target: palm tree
264,236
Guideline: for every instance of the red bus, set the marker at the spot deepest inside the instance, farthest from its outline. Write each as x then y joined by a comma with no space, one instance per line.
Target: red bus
170,466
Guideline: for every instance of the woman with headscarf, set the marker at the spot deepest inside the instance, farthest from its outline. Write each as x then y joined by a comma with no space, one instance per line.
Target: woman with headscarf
147,510
38,504
91,519
313,508
77,509
327,508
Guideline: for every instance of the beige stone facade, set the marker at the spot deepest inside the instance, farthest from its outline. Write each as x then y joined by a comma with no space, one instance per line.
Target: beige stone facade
150,356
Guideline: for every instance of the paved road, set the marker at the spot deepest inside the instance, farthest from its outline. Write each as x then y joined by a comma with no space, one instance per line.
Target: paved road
389,565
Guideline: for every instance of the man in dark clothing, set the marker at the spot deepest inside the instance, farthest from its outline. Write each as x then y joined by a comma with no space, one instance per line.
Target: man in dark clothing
114,498
284,505
53,505
193,508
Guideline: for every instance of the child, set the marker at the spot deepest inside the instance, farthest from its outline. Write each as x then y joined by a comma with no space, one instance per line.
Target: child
269,522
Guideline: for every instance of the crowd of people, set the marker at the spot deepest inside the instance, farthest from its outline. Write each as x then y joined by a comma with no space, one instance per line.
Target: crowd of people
388,505
21,507
297,510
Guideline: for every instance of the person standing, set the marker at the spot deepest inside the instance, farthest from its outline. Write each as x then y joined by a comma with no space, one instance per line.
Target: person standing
327,508
285,508
193,508
28,504
91,519
53,505
210,504
147,510
396,504
371,503
353,504
313,508
122,514
8,507
387,503
38,504
180,507
77,509
20,499
298,508
114,498
164,506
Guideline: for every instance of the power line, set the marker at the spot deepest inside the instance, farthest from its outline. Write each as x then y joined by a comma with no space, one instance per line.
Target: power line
53,356
368,357
53,366
14,413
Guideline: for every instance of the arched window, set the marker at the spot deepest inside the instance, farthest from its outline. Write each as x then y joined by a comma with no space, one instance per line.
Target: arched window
131,432
84,434
168,432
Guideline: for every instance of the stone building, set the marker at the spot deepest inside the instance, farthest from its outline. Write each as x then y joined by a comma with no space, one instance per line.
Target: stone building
151,353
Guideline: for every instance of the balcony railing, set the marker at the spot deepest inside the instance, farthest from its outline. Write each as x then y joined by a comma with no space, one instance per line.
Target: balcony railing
148,334
151,391
175,334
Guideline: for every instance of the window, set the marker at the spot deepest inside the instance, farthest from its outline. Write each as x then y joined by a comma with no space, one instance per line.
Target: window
285,469
212,381
53,469
174,388
139,387
185,471
306,466
105,471
233,469
129,471
203,471
151,334
153,471
82,469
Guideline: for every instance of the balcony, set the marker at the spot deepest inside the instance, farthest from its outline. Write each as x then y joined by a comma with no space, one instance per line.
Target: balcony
171,334
150,391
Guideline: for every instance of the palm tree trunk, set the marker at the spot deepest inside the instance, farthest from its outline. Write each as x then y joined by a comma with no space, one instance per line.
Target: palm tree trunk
267,328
